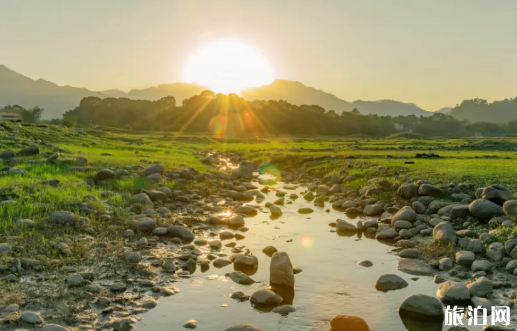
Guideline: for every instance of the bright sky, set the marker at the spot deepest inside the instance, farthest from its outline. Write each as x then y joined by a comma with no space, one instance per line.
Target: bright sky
433,53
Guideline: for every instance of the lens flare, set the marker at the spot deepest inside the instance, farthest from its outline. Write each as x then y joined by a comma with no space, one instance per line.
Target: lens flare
306,240
270,169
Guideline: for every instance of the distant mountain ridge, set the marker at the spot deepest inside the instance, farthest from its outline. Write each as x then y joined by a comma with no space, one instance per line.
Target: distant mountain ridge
56,100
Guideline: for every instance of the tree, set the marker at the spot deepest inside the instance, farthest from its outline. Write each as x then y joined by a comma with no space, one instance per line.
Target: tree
32,115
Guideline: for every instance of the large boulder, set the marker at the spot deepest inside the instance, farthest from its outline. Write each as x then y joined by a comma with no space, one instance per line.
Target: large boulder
404,214
444,234
348,323
484,209
407,191
453,292
181,232
429,190
281,270
498,194
422,307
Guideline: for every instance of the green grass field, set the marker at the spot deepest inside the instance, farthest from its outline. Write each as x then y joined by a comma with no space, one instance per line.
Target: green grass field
476,161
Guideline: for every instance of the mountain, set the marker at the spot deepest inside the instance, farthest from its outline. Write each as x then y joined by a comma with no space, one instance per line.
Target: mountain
56,100
179,91
16,89
444,110
299,94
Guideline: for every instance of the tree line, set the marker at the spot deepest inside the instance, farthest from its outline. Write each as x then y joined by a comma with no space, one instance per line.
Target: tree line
231,115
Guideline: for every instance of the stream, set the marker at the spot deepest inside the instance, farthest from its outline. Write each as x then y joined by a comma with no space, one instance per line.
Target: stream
331,283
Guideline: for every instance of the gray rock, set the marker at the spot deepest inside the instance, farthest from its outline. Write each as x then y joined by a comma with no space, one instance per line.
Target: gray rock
246,210
245,262
465,258
241,278
344,226
75,280
484,209
429,190
275,210
444,234
482,265
422,307
63,218
510,209
221,263
5,249
190,324
284,309
281,270
152,169
476,246
407,191
451,292
373,210
446,264
495,251
511,266
390,282
410,253
133,257
404,214
399,225
414,267
143,199
387,234
419,207
265,298
498,194
481,287
104,174
146,224
181,232
31,317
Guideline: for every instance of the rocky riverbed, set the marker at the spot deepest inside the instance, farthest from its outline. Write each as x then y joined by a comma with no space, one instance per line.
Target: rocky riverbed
285,252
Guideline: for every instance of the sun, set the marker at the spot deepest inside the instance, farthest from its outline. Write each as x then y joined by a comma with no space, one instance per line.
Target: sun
228,67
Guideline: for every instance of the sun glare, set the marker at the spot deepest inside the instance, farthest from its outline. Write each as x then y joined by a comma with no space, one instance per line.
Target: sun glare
228,67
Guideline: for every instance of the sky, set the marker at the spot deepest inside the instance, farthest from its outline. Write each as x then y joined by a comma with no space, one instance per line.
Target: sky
434,53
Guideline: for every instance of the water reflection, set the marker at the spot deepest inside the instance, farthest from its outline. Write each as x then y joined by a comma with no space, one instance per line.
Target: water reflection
416,325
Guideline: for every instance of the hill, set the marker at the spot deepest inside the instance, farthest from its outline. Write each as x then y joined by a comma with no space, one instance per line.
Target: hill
299,94
27,92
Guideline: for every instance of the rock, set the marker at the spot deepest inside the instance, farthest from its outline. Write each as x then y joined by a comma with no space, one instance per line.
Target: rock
245,263
498,194
510,209
390,282
181,232
348,323
461,211
122,324
344,226
407,191
444,234
484,210
399,225
429,190
143,199
414,267
422,307
410,253
63,218
481,287
365,263
387,234
269,250
281,270
191,324
146,224
75,280
305,210
284,309
465,258
373,210
236,220
495,251
475,246
53,327
511,266
104,174
241,278
31,317
133,257
275,210
482,302
243,327
265,298
452,292
446,264
169,266
153,169
29,151
246,210
404,214
482,265
5,249
419,207
221,263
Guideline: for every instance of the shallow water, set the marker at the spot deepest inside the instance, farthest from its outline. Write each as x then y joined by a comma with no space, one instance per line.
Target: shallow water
331,283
